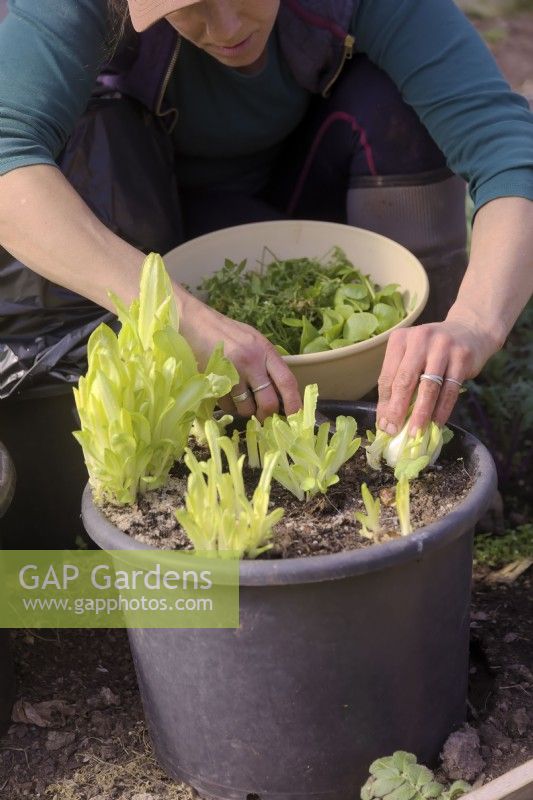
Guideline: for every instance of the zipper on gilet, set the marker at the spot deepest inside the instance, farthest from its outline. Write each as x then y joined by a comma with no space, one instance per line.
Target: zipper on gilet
347,55
164,86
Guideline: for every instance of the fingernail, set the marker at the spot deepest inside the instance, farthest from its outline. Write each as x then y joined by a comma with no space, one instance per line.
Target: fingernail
382,424
391,428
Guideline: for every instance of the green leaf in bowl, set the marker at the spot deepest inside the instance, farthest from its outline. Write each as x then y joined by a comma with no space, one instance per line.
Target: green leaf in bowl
318,345
309,332
332,324
387,316
360,326
350,292
344,310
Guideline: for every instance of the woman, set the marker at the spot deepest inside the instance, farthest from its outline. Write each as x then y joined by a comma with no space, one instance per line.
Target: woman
239,77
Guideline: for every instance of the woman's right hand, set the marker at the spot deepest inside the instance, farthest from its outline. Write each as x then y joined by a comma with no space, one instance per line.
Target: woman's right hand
254,357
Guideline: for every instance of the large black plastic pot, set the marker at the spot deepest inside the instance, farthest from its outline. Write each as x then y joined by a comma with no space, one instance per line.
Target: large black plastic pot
339,659
51,473
7,680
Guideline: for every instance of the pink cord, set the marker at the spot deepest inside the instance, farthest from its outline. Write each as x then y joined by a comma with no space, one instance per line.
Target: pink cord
337,116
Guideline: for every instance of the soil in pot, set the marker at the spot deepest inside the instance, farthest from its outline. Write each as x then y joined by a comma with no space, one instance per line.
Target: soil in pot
324,524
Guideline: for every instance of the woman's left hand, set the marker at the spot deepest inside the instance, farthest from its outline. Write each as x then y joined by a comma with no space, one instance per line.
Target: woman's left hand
497,285
453,350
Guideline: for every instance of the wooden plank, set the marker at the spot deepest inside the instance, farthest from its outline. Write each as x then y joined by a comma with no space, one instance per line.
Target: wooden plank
514,785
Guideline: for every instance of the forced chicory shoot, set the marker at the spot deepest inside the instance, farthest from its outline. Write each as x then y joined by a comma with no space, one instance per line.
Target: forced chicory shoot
407,455
370,522
308,460
218,517
403,505
220,369
142,392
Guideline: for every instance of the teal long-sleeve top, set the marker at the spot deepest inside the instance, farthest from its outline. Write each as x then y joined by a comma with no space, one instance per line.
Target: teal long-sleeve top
51,52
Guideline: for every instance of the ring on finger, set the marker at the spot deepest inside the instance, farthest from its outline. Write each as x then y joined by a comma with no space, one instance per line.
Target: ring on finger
263,386
427,376
453,380
240,398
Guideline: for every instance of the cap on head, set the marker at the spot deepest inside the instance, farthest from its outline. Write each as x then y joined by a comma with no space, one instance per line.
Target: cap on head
145,12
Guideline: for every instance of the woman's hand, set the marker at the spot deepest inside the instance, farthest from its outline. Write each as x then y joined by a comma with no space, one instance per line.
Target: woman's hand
265,379
454,350
497,285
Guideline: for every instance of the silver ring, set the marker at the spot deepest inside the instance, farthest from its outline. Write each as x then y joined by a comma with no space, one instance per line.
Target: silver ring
263,386
452,380
240,398
435,378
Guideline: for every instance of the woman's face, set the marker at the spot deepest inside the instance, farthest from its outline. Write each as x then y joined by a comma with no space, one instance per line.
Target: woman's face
234,32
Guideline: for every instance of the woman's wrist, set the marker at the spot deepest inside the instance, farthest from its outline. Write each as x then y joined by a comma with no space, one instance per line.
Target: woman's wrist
490,330
189,307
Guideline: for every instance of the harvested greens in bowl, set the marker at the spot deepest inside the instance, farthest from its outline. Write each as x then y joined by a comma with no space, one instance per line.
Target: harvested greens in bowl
306,305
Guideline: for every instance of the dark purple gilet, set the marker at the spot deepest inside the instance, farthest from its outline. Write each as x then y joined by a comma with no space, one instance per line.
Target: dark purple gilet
313,34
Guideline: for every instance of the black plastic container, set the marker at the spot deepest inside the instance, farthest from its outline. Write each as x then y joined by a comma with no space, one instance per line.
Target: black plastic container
7,680
37,430
339,659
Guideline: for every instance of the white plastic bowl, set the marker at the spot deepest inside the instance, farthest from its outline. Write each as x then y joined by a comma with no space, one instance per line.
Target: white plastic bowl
346,373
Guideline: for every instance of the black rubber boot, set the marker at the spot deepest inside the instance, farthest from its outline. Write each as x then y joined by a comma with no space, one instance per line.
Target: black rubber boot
426,214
